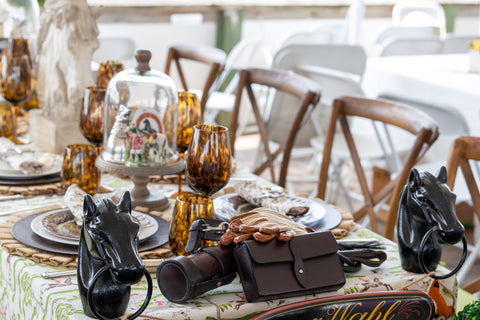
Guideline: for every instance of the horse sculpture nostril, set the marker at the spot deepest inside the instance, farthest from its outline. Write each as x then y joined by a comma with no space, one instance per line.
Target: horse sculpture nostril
129,275
450,236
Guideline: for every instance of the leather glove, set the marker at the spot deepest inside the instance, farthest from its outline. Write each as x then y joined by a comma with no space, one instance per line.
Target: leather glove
263,225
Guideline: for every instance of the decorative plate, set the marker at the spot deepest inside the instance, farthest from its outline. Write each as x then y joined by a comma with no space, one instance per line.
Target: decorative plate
60,226
22,232
53,163
229,205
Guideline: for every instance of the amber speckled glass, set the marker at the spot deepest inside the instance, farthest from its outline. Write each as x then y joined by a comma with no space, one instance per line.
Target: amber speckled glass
18,47
189,114
107,70
7,121
187,208
92,115
16,79
79,168
208,160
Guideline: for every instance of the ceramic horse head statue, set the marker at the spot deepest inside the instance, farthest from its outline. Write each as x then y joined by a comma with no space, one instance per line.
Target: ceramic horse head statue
67,40
108,259
426,220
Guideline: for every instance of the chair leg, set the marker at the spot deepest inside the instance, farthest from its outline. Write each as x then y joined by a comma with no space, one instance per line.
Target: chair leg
468,264
473,287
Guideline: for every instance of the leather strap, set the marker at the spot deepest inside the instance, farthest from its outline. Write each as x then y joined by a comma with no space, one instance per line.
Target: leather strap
298,265
352,260
204,229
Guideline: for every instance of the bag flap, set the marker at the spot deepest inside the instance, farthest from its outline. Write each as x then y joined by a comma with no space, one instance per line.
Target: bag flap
303,246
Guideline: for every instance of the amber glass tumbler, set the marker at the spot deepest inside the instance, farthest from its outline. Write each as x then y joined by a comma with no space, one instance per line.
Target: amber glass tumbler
188,207
79,168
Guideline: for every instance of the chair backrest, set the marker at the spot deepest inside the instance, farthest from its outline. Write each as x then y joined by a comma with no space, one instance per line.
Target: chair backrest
399,32
247,53
457,43
463,149
212,57
346,59
314,37
451,123
419,13
341,57
404,117
308,94
465,152
410,46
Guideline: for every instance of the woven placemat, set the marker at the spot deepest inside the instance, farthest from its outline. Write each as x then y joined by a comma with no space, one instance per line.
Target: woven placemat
32,190
12,246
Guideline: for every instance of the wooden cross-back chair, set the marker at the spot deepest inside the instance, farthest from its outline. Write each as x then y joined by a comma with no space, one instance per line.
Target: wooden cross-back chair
462,150
308,94
213,57
419,124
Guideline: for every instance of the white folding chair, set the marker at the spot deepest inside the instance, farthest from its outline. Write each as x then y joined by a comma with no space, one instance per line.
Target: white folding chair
314,37
340,57
390,33
419,13
246,53
410,46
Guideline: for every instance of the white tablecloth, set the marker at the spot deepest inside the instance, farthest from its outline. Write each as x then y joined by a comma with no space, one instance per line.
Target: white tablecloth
441,80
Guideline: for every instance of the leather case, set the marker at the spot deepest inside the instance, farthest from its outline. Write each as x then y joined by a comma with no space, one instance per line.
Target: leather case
185,277
306,264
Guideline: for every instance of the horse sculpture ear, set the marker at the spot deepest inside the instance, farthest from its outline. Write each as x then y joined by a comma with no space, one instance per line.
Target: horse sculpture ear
414,180
125,203
442,174
89,207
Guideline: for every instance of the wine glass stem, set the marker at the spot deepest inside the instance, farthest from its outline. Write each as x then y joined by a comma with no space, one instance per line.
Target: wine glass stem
180,183
98,148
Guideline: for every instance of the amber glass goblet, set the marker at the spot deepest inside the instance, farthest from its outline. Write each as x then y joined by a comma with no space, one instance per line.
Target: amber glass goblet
107,70
16,79
7,121
17,47
189,114
92,115
187,208
79,168
208,160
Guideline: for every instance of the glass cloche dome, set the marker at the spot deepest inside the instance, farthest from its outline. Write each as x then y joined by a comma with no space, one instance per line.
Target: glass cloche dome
141,117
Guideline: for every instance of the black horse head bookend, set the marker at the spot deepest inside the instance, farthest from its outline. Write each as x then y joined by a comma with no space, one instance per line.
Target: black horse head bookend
426,220
108,259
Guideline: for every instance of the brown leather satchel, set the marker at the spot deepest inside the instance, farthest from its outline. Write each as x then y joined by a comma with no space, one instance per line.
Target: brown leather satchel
306,264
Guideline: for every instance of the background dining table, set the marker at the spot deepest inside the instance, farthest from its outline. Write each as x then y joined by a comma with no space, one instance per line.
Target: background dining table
441,80
25,294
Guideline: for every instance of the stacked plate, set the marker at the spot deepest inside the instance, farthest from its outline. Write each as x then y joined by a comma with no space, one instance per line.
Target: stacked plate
15,176
56,231
60,226
319,216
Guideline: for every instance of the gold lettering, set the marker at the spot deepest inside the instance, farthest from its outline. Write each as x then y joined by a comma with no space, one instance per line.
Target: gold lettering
348,310
334,310
374,312
358,315
394,306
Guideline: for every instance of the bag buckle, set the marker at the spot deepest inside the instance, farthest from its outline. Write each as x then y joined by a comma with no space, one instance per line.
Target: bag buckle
204,229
